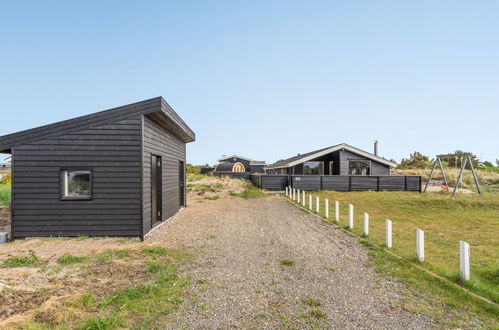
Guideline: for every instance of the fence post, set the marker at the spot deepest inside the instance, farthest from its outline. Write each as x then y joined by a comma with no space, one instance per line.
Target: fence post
310,202
464,258
388,240
366,224
294,193
420,244
326,209
337,211
317,204
286,190
298,195
350,216
303,199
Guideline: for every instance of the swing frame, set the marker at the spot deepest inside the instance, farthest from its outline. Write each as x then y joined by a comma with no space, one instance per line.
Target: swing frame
467,159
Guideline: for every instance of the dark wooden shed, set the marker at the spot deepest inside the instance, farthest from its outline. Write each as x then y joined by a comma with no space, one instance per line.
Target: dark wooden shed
118,172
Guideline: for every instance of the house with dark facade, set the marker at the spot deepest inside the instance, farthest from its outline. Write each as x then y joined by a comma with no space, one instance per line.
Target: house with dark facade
239,164
118,172
340,159
341,167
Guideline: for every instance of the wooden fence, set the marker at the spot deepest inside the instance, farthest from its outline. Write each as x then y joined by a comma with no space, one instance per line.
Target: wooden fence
338,182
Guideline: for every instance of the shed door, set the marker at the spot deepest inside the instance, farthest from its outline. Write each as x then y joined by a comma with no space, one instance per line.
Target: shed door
156,189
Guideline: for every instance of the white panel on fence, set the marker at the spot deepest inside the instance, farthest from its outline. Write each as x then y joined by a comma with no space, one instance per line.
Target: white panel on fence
388,240
317,204
366,224
303,199
310,202
298,195
337,211
350,216
326,208
464,254
420,244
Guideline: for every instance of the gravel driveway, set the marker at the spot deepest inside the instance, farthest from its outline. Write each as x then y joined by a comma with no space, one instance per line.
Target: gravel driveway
264,263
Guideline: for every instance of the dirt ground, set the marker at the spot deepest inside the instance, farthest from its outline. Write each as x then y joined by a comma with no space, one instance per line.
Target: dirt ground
260,263
5,219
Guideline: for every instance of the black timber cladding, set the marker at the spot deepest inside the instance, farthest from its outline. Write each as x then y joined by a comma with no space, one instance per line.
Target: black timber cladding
112,144
159,142
338,182
112,151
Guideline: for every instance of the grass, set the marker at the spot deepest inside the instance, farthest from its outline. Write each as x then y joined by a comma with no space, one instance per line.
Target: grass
287,262
312,302
5,194
68,259
249,192
446,220
212,198
14,262
141,306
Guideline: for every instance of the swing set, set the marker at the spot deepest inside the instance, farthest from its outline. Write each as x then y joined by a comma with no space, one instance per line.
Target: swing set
466,159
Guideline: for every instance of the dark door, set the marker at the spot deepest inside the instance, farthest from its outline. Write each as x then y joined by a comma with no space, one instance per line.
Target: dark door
156,189
181,181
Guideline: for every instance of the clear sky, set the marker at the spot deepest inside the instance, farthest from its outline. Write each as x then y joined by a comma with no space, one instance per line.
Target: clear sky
264,79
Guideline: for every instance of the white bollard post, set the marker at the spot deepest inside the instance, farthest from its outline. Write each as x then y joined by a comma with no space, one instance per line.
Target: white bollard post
317,204
420,244
337,211
303,199
464,258
298,195
286,191
388,239
366,224
310,202
294,193
326,209
350,216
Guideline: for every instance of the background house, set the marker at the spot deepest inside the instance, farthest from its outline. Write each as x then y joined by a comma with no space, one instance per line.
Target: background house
239,164
118,172
341,159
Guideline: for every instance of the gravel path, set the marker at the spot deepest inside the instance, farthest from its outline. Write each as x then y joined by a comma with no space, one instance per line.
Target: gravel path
239,279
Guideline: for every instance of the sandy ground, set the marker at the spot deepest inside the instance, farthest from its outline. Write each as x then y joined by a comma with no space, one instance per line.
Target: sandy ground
240,281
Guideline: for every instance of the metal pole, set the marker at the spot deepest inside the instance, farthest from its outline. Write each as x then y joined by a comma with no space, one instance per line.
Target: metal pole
460,177
443,172
474,176
431,174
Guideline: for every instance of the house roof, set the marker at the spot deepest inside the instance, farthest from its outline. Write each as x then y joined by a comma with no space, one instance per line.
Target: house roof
300,158
234,156
156,108
251,161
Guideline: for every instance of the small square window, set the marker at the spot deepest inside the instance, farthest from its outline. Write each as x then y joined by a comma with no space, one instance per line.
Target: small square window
76,184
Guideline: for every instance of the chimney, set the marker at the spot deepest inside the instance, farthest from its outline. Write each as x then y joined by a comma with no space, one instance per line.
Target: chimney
375,147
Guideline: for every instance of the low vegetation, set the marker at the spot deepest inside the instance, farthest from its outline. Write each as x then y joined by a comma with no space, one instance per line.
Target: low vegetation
487,177
446,221
5,195
213,188
145,290
14,261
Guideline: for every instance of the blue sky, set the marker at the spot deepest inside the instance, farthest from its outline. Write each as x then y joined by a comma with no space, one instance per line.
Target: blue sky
264,79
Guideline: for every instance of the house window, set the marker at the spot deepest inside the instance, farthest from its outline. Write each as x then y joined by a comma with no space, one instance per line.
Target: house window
313,168
331,167
76,184
359,167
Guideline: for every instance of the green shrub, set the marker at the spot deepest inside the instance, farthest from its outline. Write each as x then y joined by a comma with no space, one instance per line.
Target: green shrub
6,178
14,262
67,259
5,194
